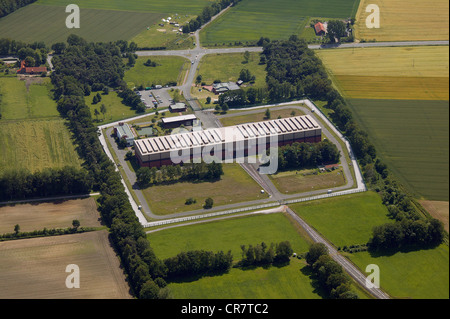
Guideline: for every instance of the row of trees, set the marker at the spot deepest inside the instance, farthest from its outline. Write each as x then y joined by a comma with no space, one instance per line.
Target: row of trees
241,98
131,99
45,232
81,63
206,15
22,184
189,172
198,263
9,6
302,155
262,254
329,274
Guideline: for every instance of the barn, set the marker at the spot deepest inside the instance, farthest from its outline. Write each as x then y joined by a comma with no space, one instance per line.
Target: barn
230,142
320,29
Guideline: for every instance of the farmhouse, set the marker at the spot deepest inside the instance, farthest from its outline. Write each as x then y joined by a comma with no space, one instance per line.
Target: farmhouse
123,131
219,88
177,121
233,141
320,28
31,70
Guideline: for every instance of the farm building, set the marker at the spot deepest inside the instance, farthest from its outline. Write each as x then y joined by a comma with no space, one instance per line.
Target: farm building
123,131
178,107
233,142
173,122
320,28
31,70
219,88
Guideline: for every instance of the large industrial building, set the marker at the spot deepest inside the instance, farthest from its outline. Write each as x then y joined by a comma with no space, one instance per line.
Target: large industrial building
229,142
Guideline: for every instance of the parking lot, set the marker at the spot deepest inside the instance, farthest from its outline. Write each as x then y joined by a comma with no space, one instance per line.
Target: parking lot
161,97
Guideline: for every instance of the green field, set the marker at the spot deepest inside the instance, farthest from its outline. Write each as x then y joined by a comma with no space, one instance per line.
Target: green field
169,69
346,220
166,6
22,100
236,186
36,144
412,137
48,24
252,19
417,274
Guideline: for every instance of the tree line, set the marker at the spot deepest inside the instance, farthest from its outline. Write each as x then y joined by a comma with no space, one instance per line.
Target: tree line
329,274
198,263
206,15
22,184
193,172
263,254
9,6
303,155
84,63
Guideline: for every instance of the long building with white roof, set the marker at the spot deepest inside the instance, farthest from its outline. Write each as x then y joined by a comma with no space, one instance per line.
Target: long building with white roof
227,142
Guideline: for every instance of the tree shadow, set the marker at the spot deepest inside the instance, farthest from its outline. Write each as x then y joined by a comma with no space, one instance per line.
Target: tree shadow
317,289
404,249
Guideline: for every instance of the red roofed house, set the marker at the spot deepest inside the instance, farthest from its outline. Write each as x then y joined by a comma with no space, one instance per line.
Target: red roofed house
31,70
320,28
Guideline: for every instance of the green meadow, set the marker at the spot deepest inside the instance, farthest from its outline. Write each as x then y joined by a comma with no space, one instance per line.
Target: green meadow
345,220
252,19
416,274
412,137
168,69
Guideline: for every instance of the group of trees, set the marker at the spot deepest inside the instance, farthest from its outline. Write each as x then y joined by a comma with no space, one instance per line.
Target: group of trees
302,155
34,54
242,98
206,15
22,184
262,254
9,6
329,274
131,99
188,172
407,234
198,263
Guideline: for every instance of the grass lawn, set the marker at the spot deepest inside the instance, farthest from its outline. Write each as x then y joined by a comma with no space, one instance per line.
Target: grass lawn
234,187
294,182
258,116
252,19
415,73
169,69
115,109
36,144
48,24
405,20
412,138
417,274
26,101
345,220
156,36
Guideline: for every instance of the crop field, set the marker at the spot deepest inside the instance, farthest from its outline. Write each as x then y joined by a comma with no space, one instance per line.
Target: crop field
234,187
437,209
412,138
419,274
166,6
168,69
49,214
236,118
36,144
414,73
36,268
345,220
48,24
405,20
280,19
